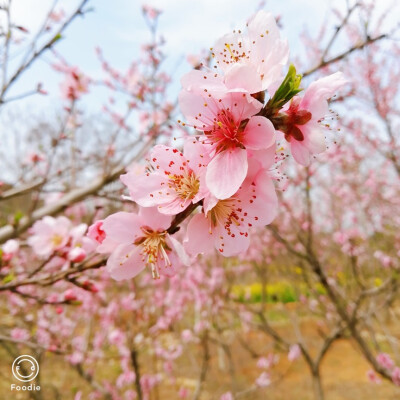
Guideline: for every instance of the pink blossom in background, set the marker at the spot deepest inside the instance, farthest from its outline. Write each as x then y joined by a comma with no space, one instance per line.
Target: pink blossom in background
263,362
263,380
226,396
75,83
151,12
373,377
20,334
294,352
385,360
9,249
396,376
50,234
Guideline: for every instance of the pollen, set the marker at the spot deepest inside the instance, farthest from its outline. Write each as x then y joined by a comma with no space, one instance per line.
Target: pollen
154,250
186,185
56,240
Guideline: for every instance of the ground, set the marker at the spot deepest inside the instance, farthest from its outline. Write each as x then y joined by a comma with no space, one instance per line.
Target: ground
343,374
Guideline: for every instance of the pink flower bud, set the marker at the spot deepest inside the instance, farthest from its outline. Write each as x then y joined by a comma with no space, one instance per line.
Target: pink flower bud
69,295
96,232
77,254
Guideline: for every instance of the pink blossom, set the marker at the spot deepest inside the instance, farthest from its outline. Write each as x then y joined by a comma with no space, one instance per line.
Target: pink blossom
294,352
77,254
151,12
263,362
57,16
231,130
96,232
20,334
187,336
78,396
117,337
75,358
70,295
263,380
301,126
174,179
183,393
396,376
10,249
373,377
252,60
74,85
142,240
385,360
49,234
126,378
226,396
225,224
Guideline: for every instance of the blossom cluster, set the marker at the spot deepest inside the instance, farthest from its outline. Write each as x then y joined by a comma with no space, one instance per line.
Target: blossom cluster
57,236
221,179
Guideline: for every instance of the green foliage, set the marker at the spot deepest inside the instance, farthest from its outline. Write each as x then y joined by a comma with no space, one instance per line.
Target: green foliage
277,292
8,278
286,91
17,217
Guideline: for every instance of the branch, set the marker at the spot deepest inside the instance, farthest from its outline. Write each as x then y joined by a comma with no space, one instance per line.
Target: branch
76,195
343,55
204,367
25,65
27,343
49,279
26,188
135,364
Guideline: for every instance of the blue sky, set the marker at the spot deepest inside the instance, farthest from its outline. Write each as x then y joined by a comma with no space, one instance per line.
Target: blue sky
118,27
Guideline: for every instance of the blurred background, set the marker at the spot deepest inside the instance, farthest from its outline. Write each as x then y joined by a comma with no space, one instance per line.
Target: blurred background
311,311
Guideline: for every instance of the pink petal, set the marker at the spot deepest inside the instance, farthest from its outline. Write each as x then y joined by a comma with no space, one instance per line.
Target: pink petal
233,244
300,152
316,96
122,227
259,134
195,111
179,250
241,105
145,189
152,218
197,153
165,158
315,138
209,202
265,157
269,52
197,81
243,78
226,172
125,262
107,246
264,208
198,239
223,58
173,207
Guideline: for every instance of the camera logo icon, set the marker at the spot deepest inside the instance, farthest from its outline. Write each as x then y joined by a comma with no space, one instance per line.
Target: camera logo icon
25,368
